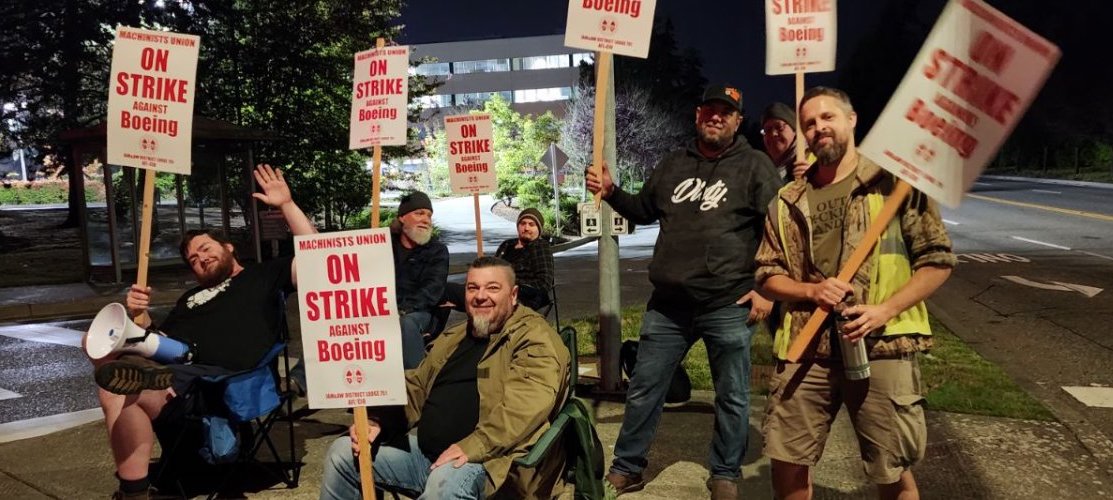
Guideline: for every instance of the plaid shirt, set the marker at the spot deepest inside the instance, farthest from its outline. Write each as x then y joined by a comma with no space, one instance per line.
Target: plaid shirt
533,263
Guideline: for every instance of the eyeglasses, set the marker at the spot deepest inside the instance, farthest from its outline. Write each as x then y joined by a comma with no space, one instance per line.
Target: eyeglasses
778,127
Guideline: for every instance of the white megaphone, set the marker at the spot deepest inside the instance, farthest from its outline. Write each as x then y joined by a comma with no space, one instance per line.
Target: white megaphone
112,331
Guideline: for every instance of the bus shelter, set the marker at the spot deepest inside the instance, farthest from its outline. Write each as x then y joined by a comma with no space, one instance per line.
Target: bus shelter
217,194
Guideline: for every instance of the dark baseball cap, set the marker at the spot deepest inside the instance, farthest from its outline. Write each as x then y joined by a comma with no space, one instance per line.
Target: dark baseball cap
725,93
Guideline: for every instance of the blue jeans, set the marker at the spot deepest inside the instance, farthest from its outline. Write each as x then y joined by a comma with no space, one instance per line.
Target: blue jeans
402,471
666,337
414,326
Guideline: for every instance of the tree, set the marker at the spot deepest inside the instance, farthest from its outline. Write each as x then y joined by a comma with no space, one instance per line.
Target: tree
518,142
655,101
278,66
644,131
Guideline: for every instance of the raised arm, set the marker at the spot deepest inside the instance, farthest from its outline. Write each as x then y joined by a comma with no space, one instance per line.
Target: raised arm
276,193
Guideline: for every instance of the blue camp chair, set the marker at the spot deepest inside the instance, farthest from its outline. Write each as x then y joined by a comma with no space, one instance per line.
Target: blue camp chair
232,416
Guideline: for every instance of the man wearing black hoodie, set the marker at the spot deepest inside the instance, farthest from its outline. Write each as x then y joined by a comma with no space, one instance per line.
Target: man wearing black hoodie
710,199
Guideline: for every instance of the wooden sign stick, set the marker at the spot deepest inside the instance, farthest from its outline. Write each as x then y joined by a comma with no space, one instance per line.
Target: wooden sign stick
478,228
145,237
359,413
602,75
893,202
801,154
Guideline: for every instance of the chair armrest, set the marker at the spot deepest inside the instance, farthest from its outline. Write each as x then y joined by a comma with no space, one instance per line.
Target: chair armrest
541,448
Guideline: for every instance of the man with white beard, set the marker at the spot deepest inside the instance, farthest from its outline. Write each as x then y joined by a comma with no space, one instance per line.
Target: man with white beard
482,398
420,271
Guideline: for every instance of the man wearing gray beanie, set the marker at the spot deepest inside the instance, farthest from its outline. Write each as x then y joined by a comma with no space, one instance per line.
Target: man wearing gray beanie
420,271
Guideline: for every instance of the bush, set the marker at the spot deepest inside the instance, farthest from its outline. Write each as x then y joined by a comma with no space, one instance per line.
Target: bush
41,192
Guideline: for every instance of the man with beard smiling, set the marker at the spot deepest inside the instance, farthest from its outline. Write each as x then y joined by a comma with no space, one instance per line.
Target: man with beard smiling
420,271
711,199
230,321
481,398
812,229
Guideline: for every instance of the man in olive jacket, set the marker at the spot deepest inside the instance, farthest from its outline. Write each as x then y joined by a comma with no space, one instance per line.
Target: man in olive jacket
482,397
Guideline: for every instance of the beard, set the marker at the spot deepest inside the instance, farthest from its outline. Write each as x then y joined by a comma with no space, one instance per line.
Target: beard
715,139
481,327
417,234
219,272
831,153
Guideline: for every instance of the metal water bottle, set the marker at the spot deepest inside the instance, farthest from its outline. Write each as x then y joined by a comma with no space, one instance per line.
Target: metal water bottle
856,363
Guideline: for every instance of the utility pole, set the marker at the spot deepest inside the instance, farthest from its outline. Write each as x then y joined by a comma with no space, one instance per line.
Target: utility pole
610,303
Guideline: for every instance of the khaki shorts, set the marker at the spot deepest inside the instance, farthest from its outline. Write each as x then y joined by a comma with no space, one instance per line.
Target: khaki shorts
885,409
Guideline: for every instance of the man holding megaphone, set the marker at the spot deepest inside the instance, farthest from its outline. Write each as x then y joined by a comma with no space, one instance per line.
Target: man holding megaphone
223,325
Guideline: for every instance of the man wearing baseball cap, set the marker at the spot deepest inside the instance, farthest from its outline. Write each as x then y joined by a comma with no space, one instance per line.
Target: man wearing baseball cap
710,198
420,270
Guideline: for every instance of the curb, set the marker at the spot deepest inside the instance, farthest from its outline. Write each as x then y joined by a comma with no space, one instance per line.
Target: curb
1055,182
1088,435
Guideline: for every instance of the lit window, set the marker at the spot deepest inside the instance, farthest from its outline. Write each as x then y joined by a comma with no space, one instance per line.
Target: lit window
542,95
586,58
435,101
485,66
541,62
432,69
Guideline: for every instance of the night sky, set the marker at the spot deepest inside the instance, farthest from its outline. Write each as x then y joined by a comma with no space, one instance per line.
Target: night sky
730,36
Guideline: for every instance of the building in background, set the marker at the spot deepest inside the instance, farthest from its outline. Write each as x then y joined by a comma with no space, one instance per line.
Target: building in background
535,74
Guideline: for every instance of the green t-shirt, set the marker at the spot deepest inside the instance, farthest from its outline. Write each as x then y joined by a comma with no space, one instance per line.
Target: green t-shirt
828,213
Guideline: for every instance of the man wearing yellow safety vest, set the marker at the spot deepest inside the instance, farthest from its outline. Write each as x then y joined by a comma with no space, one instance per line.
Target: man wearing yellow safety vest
812,228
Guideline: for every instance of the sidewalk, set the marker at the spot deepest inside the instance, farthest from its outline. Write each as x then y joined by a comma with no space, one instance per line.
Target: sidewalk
968,456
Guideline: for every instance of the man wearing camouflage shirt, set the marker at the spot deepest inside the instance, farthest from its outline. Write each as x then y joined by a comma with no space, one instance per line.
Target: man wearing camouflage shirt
812,229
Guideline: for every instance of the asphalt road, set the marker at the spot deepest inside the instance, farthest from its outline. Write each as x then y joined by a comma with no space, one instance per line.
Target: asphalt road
1033,293
1034,288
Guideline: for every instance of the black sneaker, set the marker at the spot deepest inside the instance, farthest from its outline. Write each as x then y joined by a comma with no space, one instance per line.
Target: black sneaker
132,375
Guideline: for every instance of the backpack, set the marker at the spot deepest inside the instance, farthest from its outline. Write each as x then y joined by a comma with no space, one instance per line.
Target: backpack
680,389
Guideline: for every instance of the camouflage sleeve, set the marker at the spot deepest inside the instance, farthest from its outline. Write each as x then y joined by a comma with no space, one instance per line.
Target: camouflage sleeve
924,233
770,258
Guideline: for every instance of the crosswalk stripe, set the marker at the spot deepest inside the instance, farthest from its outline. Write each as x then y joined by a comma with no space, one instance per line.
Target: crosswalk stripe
6,394
48,334
34,427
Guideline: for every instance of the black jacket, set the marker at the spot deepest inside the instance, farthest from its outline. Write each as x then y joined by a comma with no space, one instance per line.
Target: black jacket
712,213
419,280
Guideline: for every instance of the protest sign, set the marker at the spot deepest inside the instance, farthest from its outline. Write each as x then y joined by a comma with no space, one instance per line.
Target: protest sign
150,99
972,80
471,160
799,36
617,26
970,84
380,93
350,329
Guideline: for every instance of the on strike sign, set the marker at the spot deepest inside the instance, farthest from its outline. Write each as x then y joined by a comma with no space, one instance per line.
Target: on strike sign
349,319
799,36
471,161
150,99
972,81
617,26
380,92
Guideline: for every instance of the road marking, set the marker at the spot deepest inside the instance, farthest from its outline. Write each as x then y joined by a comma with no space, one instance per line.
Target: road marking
980,183
47,334
1037,242
1048,191
1098,255
990,258
35,427
951,222
1099,397
1080,213
1058,286
6,394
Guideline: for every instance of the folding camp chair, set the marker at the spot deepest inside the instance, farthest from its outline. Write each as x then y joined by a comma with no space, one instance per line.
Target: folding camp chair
233,415
572,432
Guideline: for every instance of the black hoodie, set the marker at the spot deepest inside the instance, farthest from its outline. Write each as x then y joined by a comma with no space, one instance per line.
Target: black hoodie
712,213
